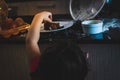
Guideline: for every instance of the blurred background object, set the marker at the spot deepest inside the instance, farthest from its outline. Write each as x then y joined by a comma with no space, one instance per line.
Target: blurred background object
3,14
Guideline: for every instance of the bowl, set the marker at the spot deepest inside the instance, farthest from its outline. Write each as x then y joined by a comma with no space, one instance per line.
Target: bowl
92,26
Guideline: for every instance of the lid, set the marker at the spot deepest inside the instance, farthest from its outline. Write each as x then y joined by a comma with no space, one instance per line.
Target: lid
85,9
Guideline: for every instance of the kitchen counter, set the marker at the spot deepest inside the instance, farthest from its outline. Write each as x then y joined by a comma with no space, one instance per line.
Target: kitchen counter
110,34
51,37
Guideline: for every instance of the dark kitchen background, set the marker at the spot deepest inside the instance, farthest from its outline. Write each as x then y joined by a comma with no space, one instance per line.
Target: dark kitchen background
59,8
104,58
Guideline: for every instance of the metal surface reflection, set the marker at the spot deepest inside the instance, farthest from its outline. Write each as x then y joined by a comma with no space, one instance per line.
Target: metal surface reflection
85,9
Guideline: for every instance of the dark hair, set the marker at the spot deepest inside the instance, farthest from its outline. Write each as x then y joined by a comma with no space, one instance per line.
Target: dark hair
63,61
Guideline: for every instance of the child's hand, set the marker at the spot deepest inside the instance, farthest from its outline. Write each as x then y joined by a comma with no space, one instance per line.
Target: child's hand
40,18
46,16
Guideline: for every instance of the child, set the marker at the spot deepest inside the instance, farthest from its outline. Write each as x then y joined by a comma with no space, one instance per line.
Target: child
62,61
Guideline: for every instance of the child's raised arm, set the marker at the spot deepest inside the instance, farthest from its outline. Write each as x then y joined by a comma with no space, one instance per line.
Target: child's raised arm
33,34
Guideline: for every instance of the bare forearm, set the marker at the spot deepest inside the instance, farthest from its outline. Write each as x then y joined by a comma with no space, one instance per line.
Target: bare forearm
32,46
33,34
32,50
32,38
34,31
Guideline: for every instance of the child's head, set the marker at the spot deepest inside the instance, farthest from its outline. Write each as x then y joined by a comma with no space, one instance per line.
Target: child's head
63,61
